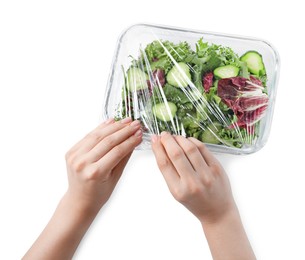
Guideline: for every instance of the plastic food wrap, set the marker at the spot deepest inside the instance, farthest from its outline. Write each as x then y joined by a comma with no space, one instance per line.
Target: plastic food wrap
217,88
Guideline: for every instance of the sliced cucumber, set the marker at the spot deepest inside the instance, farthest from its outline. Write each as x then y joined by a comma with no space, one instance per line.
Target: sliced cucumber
179,75
136,79
210,134
227,71
165,111
254,62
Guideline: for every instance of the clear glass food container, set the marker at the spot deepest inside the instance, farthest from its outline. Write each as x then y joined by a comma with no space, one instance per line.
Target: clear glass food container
219,119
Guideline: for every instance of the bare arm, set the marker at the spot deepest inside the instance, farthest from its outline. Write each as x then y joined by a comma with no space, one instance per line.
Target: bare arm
197,180
227,238
94,167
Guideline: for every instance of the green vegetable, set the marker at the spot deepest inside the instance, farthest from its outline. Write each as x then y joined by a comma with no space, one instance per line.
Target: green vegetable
136,79
233,138
190,121
160,64
244,72
159,54
210,134
179,75
226,55
207,58
197,134
165,111
193,94
187,101
255,63
227,71
184,110
201,68
202,111
173,94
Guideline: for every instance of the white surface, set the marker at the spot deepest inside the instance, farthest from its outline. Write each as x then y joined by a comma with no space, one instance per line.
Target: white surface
55,58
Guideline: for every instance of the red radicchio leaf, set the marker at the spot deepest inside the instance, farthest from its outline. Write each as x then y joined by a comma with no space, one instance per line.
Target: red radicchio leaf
149,86
159,77
256,80
246,100
207,81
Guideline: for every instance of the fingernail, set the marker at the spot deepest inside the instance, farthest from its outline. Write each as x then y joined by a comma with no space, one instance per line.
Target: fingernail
126,120
110,120
164,133
138,133
135,123
154,138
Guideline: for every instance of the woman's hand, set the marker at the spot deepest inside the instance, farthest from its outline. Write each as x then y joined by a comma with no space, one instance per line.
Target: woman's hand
197,180
194,176
94,166
96,163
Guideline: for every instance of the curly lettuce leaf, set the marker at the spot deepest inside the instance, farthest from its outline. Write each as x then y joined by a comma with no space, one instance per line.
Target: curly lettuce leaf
184,110
160,53
199,69
233,138
175,95
225,54
171,94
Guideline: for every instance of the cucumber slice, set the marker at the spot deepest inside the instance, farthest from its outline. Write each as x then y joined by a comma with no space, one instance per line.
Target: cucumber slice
165,111
136,79
210,134
227,71
178,76
254,62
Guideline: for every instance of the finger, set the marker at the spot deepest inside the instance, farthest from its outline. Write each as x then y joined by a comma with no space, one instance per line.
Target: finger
112,140
207,155
118,170
167,169
176,155
192,153
195,157
98,134
79,143
116,154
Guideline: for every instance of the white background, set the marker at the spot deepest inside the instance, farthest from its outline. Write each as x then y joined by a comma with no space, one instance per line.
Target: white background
55,57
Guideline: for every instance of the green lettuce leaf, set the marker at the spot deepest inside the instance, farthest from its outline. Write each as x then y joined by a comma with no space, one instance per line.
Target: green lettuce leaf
175,95
225,54
160,53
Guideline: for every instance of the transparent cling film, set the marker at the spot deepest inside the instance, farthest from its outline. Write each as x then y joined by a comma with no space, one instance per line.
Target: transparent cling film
195,88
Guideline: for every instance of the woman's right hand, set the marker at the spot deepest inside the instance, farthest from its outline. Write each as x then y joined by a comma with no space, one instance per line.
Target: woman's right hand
197,180
194,176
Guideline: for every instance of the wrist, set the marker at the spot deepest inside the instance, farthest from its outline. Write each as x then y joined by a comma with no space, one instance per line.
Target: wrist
228,214
229,218
227,238
81,206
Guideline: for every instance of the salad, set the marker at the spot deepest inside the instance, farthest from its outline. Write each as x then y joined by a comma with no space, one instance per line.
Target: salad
209,92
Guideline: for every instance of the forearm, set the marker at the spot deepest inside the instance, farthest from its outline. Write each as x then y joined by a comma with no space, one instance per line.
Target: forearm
64,231
227,238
